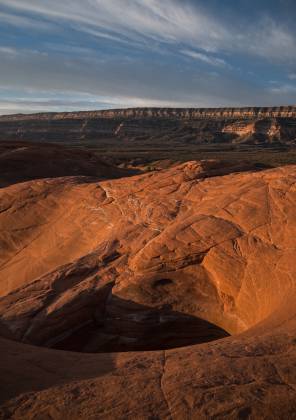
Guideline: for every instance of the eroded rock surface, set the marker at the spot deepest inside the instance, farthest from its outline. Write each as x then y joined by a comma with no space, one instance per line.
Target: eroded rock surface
182,256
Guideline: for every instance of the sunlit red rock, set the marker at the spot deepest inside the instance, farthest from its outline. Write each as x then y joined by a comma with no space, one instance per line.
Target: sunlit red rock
182,256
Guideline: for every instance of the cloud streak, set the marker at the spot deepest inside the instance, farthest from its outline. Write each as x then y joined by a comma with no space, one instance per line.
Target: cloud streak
143,53
168,21
205,58
25,22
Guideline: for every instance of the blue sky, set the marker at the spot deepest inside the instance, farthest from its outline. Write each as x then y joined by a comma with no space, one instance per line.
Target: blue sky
91,54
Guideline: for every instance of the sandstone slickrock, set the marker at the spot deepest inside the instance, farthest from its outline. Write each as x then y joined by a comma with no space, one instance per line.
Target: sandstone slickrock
164,125
182,256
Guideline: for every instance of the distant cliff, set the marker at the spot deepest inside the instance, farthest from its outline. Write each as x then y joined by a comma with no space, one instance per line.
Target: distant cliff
156,125
182,113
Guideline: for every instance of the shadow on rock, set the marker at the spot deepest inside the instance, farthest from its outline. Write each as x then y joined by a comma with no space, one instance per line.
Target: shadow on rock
128,326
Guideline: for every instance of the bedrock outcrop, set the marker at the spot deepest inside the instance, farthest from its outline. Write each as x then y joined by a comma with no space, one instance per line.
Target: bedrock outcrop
153,125
126,272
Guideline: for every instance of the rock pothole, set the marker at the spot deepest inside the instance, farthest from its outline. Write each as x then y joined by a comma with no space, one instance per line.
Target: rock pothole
141,330
162,282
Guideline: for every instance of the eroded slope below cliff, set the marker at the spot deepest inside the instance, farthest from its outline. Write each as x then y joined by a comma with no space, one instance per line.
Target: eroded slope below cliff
164,125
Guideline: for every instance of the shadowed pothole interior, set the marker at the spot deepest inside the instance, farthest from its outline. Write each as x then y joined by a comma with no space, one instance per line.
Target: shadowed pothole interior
144,330
127,326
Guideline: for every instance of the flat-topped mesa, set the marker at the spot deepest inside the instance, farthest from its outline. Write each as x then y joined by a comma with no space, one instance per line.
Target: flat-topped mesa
179,113
156,125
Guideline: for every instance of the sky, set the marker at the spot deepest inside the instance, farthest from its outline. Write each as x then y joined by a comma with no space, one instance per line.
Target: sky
97,54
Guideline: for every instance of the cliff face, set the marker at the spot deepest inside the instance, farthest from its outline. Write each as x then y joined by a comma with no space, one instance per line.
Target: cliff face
179,113
197,125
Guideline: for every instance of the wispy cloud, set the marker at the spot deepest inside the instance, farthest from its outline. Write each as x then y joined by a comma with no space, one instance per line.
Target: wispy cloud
144,52
214,61
77,102
166,21
272,40
25,22
281,89
8,51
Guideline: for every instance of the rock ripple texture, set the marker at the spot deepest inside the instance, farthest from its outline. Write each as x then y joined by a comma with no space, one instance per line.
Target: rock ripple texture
152,262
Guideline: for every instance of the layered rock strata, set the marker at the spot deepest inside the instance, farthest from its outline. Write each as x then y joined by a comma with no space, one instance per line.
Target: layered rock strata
164,125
